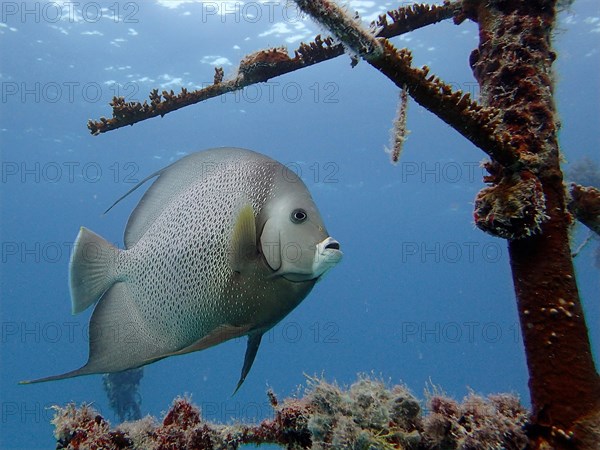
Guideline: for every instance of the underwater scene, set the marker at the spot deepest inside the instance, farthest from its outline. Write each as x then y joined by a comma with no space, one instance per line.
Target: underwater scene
370,303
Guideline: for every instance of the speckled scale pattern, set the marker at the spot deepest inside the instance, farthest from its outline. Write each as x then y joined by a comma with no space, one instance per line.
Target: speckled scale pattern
183,261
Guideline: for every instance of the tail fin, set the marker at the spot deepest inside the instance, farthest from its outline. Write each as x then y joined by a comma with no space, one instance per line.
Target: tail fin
91,270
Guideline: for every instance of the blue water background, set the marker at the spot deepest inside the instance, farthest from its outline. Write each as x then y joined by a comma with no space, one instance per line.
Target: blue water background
421,297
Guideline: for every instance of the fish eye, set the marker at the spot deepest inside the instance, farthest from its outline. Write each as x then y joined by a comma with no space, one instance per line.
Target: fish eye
298,215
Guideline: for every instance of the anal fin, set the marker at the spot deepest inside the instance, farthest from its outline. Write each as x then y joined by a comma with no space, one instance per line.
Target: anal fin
220,334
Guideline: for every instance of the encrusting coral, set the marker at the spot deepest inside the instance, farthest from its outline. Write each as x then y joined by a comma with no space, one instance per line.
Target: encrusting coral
497,422
513,66
83,428
411,17
257,67
512,208
367,415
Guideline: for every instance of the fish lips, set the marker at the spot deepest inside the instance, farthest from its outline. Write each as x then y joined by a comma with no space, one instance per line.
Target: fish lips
328,254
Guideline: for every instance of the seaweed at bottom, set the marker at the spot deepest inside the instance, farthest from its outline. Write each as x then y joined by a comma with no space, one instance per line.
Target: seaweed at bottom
367,415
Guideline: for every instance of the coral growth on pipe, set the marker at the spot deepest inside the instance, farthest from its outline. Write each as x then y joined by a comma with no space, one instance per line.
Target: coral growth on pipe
513,65
274,63
584,202
257,67
514,207
409,18
585,205
368,415
473,121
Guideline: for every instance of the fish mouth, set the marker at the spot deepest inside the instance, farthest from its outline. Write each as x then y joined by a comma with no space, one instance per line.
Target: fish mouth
332,244
327,255
329,247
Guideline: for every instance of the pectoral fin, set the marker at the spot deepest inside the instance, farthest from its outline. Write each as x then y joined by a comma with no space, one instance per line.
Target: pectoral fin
251,350
243,240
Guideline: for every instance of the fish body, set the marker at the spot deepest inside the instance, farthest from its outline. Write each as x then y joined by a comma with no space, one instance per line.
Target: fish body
225,243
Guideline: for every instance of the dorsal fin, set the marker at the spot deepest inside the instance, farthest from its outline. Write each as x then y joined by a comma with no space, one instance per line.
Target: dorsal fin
149,177
172,180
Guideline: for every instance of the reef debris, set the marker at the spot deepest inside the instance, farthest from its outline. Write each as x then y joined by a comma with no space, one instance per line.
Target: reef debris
495,422
84,428
367,415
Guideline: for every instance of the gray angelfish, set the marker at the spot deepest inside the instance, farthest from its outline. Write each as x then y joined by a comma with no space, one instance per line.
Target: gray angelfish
225,243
